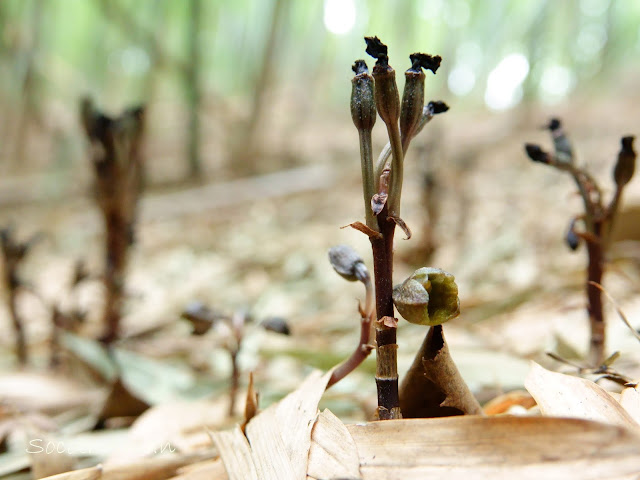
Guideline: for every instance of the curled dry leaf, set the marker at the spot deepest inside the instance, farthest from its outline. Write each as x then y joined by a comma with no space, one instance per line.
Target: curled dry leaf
630,401
560,395
433,386
251,405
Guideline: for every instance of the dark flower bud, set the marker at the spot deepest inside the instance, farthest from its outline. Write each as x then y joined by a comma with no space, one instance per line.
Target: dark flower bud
201,317
537,154
277,325
386,91
572,238
413,94
626,164
348,264
436,107
363,105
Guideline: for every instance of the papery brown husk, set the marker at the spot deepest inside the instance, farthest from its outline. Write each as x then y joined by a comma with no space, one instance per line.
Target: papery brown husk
433,386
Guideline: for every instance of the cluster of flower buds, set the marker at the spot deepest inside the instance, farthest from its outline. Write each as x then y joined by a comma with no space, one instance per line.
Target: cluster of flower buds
378,93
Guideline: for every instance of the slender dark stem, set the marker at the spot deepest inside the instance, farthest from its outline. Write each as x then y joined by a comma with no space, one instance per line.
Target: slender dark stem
358,356
18,328
595,272
116,251
235,380
363,349
386,358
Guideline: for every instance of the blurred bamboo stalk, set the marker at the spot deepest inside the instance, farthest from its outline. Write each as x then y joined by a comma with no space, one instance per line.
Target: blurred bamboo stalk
194,88
248,145
29,83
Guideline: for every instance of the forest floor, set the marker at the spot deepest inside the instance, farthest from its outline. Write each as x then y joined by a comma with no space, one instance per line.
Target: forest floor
259,243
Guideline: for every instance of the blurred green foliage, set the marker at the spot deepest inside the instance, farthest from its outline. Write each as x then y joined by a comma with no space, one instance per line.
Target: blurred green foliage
124,51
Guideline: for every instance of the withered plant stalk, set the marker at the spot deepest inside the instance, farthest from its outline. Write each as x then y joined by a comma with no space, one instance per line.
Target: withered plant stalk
597,220
13,253
118,167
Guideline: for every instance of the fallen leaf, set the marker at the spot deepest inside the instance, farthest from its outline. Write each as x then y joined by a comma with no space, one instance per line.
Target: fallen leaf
560,395
278,439
503,403
170,426
333,453
48,393
92,473
495,447
630,401
209,470
48,456
235,453
121,403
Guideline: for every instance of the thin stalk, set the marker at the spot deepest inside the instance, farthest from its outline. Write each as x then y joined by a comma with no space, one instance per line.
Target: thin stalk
397,167
235,380
595,272
363,349
384,159
368,181
386,351
18,329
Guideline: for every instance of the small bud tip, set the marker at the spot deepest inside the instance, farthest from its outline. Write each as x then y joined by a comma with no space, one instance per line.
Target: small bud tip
360,66
536,153
437,107
377,50
627,143
423,60
554,124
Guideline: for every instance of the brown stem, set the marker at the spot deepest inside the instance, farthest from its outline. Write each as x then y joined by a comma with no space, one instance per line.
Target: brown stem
595,271
358,356
235,380
117,159
18,328
116,247
386,358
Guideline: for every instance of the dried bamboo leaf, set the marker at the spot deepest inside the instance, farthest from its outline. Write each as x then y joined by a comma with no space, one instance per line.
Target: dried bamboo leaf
278,439
170,426
495,447
560,395
92,473
293,419
209,470
235,453
333,452
156,468
630,401
46,462
268,449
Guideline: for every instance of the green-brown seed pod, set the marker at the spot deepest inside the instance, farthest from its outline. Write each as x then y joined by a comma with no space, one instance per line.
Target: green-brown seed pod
413,94
626,164
428,297
386,90
363,105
